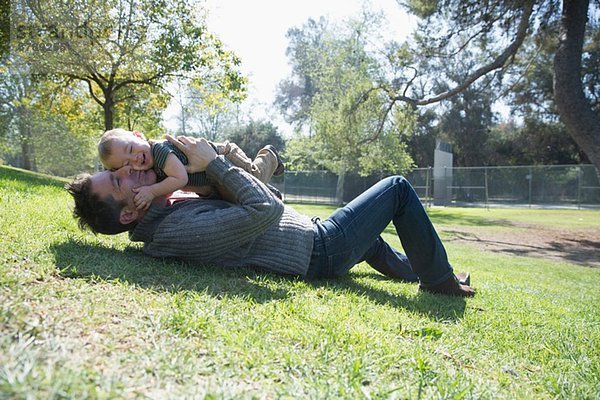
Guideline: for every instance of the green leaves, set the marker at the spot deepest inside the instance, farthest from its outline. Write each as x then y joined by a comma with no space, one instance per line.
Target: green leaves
117,46
330,90
84,65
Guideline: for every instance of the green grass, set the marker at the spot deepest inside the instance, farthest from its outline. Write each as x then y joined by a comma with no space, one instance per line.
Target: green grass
84,316
561,218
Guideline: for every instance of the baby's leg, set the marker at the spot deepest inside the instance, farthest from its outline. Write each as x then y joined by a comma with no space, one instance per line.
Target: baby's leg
233,153
263,166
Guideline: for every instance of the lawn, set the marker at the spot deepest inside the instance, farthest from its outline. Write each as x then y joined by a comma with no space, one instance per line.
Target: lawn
84,316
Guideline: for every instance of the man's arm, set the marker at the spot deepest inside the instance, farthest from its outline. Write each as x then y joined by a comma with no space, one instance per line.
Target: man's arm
198,152
207,230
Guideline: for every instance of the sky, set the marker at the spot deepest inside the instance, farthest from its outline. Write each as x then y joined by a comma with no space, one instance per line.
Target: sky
255,30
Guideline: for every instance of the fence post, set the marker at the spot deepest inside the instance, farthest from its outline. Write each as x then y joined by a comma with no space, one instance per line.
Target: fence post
447,191
530,178
485,170
427,187
579,187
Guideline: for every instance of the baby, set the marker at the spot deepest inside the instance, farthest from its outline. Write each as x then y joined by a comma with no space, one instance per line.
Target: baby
119,147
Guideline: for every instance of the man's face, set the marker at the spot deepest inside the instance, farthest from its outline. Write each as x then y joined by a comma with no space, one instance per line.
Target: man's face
120,184
130,150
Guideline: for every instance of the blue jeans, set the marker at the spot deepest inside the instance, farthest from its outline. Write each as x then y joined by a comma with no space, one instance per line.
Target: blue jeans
352,234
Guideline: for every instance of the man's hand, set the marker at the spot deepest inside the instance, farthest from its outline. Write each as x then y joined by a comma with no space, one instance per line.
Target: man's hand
198,151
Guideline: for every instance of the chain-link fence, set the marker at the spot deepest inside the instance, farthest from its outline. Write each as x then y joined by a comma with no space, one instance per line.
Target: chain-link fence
316,187
556,185
320,187
560,185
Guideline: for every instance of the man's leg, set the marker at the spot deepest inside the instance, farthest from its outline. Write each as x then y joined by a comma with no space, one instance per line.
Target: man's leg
393,264
351,231
389,261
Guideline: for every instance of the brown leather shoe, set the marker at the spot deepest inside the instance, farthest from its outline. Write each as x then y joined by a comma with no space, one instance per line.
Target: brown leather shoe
450,287
280,165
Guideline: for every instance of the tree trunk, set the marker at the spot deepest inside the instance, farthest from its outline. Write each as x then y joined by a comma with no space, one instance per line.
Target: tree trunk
28,155
108,111
575,111
27,146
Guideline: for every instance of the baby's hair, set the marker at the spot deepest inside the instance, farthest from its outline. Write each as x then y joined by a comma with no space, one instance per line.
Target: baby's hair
105,144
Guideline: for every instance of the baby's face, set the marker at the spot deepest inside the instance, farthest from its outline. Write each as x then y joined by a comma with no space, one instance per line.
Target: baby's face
132,151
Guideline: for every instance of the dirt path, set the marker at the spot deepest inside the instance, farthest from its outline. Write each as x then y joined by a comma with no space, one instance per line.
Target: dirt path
576,246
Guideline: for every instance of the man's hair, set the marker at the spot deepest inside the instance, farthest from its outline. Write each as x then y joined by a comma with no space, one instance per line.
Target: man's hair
100,215
106,140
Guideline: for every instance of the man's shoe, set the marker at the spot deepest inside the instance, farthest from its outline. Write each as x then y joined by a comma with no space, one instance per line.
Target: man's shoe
450,287
280,166
464,278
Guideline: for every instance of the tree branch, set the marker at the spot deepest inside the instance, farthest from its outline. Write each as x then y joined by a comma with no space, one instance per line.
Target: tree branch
122,99
497,63
38,12
147,81
90,88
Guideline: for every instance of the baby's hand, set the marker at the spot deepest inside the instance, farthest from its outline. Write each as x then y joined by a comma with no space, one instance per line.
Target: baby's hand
143,197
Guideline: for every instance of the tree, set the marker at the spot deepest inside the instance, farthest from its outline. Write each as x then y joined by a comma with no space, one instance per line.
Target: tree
4,28
46,126
541,138
115,46
303,154
255,135
17,96
492,33
532,142
204,109
144,111
331,68
465,123
422,140
295,94
582,122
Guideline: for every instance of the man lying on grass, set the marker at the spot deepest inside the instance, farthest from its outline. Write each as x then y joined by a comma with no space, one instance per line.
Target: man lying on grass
259,230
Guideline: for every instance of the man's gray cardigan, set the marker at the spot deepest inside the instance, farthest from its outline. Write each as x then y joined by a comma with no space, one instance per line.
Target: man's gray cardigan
259,230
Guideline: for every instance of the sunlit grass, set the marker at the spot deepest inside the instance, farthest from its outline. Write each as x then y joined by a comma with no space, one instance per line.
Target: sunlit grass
84,316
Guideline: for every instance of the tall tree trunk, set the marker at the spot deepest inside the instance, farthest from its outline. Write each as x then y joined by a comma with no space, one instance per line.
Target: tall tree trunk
28,155
108,112
27,146
582,123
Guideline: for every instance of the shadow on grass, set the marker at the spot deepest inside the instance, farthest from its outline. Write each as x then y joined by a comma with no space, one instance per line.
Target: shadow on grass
580,251
436,307
439,217
443,219
95,262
